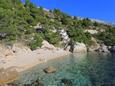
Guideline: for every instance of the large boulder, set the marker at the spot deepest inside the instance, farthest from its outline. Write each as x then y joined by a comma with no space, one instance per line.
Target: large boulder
94,45
46,45
50,69
79,48
103,48
8,75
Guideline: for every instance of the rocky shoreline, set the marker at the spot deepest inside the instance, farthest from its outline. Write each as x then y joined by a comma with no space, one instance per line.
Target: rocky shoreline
9,56
20,58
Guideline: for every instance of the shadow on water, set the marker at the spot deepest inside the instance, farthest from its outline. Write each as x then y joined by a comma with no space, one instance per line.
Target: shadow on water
92,69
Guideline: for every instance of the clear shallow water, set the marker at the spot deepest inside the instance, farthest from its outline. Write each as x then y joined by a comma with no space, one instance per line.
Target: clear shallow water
82,70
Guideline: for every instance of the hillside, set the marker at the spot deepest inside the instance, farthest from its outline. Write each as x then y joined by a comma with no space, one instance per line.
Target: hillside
31,25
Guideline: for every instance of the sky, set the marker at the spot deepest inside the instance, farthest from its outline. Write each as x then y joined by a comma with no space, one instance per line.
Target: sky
96,9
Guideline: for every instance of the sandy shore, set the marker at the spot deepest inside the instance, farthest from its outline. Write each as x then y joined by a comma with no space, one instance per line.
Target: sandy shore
25,61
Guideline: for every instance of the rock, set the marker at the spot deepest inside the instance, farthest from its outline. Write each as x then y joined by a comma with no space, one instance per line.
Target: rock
103,48
8,75
92,31
112,49
75,47
46,45
68,48
93,46
5,52
8,51
67,82
3,35
38,83
50,70
80,48
34,83
19,48
64,36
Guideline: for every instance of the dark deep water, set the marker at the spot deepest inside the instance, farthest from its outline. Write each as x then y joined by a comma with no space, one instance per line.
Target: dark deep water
80,70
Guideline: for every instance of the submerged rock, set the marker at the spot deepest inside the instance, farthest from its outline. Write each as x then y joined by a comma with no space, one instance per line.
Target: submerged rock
67,82
38,83
8,75
50,70
34,83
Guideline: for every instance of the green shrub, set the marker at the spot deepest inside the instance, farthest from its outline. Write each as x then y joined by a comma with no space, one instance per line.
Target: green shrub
78,35
36,42
108,37
52,37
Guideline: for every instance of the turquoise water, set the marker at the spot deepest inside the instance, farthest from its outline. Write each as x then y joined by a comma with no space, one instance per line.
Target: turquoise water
91,69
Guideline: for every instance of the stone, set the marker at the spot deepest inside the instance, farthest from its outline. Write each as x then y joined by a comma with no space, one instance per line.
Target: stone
64,36
50,70
6,52
103,48
67,82
46,45
19,48
68,48
92,31
94,45
8,75
79,48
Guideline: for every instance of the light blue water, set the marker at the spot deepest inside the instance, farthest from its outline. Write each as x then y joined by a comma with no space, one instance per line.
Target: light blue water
81,70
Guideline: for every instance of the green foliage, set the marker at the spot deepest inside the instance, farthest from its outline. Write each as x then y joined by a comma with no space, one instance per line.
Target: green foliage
17,21
36,42
79,36
52,37
86,22
108,37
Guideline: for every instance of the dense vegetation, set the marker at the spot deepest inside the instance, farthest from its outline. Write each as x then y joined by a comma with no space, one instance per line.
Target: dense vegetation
107,37
17,21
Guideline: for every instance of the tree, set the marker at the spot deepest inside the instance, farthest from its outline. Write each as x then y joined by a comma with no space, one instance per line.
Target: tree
78,35
108,37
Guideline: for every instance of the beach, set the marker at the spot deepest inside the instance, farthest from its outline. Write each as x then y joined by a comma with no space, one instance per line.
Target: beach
26,60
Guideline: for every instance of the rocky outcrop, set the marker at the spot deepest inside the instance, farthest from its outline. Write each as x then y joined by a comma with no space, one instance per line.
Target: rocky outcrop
19,48
92,31
94,45
7,76
68,48
76,47
64,36
103,48
46,45
50,69
6,52
9,52
80,48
